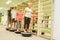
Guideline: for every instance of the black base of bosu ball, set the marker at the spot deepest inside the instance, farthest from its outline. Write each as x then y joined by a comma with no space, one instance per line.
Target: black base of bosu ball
18,32
34,31
42,33
12,30
25,34
7,28
22,30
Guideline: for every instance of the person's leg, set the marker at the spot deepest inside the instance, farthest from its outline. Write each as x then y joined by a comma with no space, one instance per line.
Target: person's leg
8,23
17,25
19,28
20,23
28,23
25,22
33,24
11,24
14,23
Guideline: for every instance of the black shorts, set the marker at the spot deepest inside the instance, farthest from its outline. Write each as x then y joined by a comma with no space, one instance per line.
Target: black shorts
13,20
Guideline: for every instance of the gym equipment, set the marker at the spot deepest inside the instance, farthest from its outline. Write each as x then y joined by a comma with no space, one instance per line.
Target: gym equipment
22,30
7,28
12,30
19,32
26,34
42,33
34,31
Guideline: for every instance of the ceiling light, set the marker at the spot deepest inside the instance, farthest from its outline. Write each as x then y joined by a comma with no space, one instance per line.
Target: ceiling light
8,2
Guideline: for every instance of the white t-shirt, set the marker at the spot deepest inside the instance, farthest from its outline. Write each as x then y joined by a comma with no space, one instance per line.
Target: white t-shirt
13,12
28,12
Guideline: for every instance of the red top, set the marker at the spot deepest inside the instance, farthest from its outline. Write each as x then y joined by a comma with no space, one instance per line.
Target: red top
19,16
34,18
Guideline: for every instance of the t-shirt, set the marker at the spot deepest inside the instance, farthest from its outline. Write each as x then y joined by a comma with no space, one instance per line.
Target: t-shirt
28,12
13,12
19,16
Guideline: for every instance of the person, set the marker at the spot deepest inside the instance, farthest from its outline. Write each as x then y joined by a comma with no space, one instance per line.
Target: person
19,17
9,17
27,17
13,12
34,18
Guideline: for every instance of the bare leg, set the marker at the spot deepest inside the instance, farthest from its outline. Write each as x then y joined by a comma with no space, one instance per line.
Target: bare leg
14,25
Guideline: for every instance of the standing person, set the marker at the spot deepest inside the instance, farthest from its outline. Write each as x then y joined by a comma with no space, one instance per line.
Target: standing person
34,18
27,17
9,18
19,17
13,12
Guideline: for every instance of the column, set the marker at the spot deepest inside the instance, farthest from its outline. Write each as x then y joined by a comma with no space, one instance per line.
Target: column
39,17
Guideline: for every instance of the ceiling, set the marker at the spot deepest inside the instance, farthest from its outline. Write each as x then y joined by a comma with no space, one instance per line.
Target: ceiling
13,3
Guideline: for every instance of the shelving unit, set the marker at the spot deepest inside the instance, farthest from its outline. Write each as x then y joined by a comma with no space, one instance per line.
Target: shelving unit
45,18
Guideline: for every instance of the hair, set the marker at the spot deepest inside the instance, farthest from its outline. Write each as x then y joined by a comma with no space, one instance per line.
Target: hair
12,7
29,3
15,7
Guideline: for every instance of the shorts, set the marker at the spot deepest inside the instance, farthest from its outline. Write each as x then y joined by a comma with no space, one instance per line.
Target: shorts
18,25
9,19
13,20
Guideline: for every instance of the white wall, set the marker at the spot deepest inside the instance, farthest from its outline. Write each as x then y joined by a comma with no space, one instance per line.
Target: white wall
56,23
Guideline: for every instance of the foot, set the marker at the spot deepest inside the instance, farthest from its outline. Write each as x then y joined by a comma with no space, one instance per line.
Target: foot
25,30
28,30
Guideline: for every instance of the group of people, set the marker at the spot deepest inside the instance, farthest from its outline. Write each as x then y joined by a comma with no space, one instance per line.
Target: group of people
15,17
